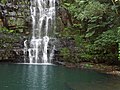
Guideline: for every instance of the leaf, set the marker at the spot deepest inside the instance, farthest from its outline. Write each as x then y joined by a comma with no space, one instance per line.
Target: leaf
11,31
89,34
67,4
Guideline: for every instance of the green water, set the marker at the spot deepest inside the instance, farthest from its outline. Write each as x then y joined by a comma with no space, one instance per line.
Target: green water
42,77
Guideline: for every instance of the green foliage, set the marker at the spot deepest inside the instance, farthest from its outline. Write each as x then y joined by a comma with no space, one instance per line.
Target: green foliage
88,65
3,1
119,51
86,56
5,30
78,39
119,43
118,34
85,9
65,52
107,38
89,34
97,25
8,38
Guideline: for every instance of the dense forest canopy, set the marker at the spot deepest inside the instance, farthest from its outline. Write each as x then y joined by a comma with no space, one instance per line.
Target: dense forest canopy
94,26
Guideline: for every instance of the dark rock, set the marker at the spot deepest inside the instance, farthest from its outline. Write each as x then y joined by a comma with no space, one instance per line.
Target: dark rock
13,56
59,63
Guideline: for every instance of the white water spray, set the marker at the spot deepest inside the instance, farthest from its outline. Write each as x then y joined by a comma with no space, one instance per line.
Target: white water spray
43,24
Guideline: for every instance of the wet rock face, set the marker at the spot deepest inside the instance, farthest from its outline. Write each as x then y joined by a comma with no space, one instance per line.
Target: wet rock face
11,56
11,48
15,14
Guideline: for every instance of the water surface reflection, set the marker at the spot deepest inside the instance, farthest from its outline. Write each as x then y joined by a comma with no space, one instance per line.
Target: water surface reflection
50,77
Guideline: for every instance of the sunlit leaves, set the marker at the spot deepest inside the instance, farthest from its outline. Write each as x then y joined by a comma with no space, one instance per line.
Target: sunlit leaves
5,30
107,38
3,1
82,9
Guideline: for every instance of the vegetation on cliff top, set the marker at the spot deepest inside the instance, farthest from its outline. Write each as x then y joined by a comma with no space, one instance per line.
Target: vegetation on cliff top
93,27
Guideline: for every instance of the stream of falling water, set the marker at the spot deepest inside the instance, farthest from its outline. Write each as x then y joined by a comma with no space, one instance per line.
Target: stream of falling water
41,48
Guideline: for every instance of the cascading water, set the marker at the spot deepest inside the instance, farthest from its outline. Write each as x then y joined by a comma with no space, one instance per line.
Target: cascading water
41,48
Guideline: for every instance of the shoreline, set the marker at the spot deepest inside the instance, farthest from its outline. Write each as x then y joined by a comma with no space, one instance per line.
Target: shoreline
100,67
103,68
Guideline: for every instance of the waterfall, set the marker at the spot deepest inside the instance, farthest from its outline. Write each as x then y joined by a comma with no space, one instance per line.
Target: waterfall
41,45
